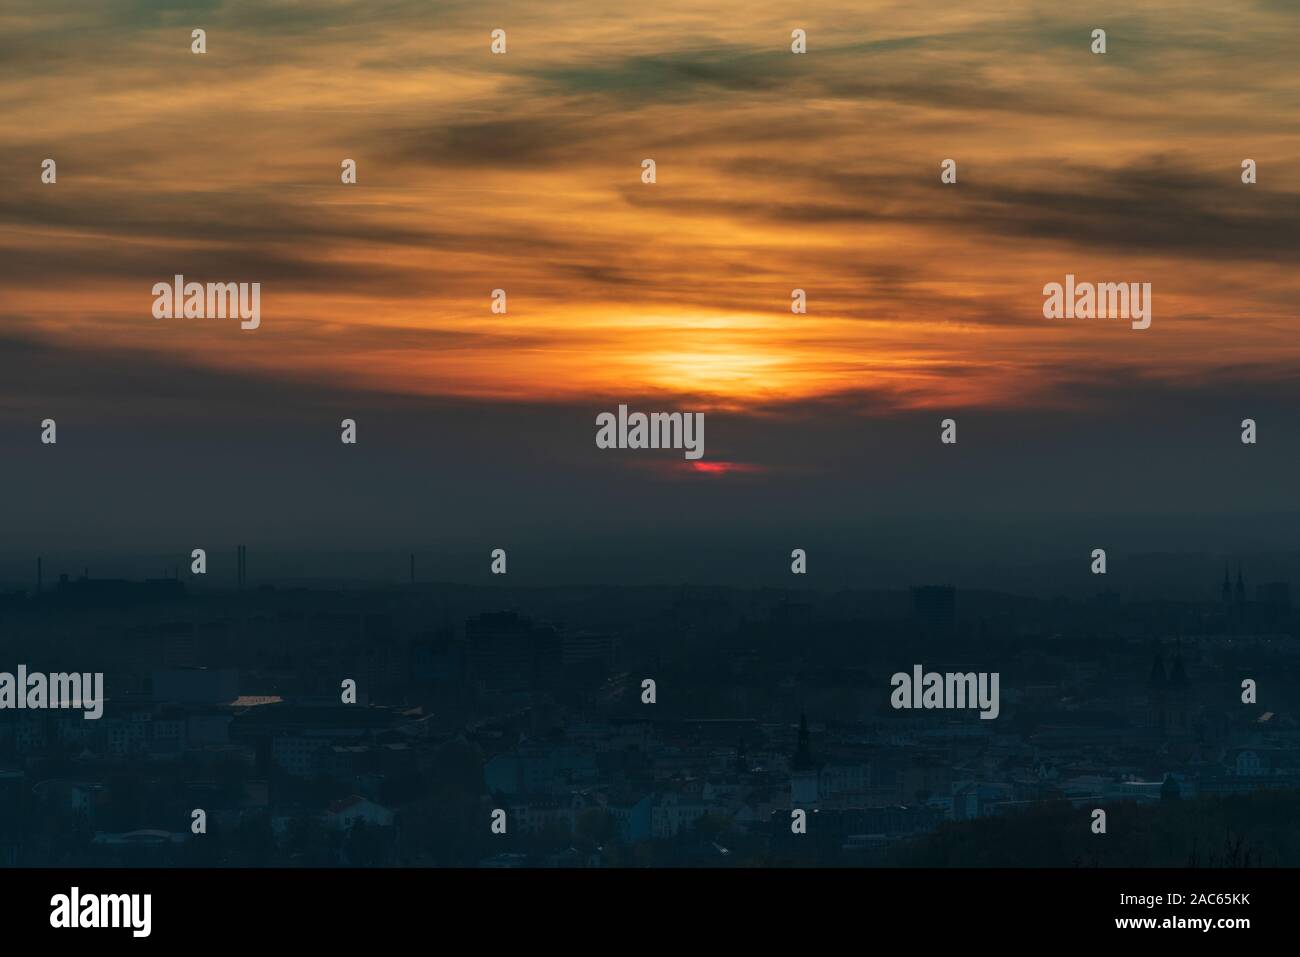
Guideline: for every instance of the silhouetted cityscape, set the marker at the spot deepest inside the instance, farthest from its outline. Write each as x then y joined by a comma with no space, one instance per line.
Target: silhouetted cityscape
474,698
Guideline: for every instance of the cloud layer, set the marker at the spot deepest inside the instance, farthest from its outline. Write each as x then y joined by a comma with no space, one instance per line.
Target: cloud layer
775,171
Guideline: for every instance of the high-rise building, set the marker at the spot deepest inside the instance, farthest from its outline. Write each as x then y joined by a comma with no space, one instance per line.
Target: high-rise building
507,652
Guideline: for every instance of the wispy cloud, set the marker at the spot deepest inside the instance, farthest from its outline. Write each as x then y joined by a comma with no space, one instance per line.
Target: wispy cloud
775,171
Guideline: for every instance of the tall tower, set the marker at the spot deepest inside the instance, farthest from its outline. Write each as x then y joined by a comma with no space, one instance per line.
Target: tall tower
804,771
1178,711
803,756
1157,692
1169,696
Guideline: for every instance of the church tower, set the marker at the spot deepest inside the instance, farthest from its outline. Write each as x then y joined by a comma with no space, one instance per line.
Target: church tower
803,757
1168,697
1157,688
804,769
1178,712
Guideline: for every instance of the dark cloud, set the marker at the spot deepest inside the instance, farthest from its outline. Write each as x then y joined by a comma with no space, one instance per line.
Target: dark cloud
516,142
675,75
1155,205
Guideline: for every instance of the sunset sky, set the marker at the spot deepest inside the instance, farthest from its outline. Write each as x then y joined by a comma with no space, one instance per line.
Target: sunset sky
775,171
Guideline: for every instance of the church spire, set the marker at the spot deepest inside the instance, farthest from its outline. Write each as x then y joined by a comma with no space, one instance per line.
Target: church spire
1156,679
803,756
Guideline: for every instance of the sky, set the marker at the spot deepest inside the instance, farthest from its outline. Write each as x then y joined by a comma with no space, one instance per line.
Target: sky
522,171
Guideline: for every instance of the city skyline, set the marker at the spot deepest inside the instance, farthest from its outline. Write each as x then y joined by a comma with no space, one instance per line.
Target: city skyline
854,441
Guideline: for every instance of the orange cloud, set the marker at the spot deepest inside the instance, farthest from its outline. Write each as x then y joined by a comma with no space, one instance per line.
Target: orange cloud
775,172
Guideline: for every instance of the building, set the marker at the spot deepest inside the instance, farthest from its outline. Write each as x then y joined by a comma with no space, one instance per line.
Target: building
598,649
506,652
1168,698
673,813
935,607
804,769
196,685
347,812
539,770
